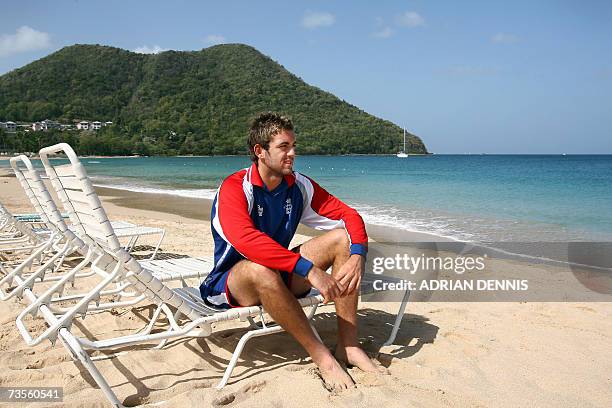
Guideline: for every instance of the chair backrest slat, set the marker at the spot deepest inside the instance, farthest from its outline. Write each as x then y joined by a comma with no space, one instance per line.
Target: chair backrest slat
70,183
79,197
64,170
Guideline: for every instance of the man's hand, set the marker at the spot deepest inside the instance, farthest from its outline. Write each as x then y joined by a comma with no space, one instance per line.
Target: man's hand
329,287
349,274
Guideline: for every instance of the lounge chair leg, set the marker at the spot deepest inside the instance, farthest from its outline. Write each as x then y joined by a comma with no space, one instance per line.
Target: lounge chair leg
131,244
77,353
398,319
246,337
61,261
176,317
161,238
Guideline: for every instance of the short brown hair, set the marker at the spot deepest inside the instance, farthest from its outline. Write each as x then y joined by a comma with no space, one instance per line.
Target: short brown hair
263,127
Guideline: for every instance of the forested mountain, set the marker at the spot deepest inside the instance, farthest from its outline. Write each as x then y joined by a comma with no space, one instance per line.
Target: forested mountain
196,102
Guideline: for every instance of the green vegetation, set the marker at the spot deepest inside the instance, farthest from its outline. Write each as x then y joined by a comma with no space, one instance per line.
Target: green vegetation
182,103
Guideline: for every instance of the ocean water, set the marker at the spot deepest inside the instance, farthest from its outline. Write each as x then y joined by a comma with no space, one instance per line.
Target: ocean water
478,198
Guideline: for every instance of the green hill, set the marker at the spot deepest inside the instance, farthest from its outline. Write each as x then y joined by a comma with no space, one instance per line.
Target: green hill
196,102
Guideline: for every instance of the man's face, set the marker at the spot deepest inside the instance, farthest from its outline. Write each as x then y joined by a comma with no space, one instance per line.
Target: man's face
281,154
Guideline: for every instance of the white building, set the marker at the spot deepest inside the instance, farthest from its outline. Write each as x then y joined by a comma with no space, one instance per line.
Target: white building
83,125
48,124
10,127
37,126
96,125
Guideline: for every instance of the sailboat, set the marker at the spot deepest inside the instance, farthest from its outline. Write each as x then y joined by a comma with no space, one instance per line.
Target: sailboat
402,154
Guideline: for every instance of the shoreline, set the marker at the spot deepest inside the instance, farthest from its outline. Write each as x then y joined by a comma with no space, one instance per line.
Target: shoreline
199,209
36,157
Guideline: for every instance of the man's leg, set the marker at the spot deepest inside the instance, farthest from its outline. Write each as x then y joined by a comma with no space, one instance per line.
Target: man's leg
253,284
332,249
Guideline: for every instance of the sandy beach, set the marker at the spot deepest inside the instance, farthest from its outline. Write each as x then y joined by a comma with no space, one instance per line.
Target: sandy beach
446,354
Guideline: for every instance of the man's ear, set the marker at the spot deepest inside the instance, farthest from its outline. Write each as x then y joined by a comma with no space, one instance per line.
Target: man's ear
259,151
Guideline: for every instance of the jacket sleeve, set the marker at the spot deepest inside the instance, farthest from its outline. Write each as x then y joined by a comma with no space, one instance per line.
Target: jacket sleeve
327,212
253,244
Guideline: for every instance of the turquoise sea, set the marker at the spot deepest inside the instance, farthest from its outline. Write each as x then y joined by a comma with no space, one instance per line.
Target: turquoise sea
480,198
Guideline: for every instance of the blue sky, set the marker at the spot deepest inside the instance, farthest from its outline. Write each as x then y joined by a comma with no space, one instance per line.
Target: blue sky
468,77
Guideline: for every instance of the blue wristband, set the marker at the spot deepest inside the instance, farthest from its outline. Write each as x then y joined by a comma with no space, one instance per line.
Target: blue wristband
302,267
359,249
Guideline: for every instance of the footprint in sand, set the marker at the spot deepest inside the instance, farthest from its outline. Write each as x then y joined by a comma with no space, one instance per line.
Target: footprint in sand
22,377
223,400
241,395
364,379
31,359
294,367
166,393
347,398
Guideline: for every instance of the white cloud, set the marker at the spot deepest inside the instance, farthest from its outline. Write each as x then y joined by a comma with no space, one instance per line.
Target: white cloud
410,19
214,39
316,19
25,39
384,33
145,49
503,38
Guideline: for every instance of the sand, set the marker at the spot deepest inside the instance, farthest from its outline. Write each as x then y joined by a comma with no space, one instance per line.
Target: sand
446,354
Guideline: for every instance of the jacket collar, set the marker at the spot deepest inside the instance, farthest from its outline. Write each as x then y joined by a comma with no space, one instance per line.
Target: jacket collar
255,177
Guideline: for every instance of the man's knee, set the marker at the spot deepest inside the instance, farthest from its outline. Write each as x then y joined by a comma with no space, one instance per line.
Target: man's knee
262,277
341,241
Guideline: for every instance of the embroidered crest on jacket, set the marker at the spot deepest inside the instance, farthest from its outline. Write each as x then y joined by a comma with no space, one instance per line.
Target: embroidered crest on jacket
288,207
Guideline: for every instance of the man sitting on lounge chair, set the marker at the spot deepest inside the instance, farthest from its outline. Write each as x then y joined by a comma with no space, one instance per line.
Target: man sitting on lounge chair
254,217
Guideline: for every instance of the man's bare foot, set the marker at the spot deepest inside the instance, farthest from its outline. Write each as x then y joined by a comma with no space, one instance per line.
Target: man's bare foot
355,356
334,377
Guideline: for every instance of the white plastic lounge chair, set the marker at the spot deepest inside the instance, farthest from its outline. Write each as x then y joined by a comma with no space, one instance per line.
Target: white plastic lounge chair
36,247
14,232
45,250
44,224
123,229
111,262
42,201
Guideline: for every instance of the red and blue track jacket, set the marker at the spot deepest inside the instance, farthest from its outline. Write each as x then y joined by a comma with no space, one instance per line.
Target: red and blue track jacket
248,221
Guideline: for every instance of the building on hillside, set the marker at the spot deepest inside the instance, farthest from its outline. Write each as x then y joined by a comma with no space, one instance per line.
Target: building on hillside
108,123
37,126
83,125
11,127
48,124
96,125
